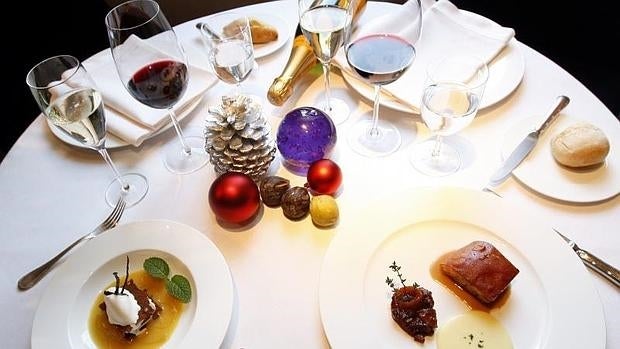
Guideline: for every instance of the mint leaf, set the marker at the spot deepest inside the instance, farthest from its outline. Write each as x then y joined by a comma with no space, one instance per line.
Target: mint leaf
156,267
179,288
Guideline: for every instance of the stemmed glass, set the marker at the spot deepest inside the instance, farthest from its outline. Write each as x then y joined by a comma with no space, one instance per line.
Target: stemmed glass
68,97
231,53
153,68
451,97
325,24
381,55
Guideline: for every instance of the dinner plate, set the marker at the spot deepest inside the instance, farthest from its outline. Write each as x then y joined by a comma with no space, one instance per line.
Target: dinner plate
541,173
113,142
61,320
284,33
505,74
416,227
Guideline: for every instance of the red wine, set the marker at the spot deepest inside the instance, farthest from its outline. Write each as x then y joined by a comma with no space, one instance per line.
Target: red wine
380,58
159,85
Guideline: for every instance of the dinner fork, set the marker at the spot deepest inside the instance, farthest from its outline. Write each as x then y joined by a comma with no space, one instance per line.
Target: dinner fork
33,277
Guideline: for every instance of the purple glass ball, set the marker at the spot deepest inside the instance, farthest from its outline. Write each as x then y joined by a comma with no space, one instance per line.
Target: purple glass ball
305,135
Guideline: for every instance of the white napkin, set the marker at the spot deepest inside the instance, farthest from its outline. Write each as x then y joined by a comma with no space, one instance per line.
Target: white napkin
445,30
127,118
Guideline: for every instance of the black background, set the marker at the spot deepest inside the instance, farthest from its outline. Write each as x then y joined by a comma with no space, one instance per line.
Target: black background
579,36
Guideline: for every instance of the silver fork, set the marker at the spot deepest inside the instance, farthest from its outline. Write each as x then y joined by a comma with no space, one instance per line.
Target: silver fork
33,277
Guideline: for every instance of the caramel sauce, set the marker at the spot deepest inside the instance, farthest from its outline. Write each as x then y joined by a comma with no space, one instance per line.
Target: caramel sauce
158,331
472,302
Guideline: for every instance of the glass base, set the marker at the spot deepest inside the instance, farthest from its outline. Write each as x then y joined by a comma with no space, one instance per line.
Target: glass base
386,140
339,112
447,162
179,162
137,187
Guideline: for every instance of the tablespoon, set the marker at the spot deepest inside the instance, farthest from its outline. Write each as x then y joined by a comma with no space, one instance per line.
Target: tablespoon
33,277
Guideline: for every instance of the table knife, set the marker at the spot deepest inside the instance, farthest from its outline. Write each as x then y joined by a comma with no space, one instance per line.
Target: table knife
591,261
527,144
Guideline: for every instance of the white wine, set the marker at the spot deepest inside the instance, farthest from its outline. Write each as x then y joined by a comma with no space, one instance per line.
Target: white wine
448,107
324,28
232,60
80,114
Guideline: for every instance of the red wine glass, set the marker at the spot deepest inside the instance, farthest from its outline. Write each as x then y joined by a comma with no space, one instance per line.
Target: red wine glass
153,68
380,56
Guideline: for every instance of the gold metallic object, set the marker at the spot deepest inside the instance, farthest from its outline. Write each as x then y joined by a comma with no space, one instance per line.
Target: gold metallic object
300,61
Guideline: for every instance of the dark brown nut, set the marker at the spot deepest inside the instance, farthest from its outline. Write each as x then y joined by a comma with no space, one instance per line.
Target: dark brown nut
296,203
272,188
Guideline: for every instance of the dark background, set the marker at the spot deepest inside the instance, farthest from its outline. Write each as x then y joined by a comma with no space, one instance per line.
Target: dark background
578,37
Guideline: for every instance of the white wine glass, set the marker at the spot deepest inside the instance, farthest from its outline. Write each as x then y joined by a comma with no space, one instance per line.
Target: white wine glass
381,55
231,53
325,24
153,68
68,97
451,97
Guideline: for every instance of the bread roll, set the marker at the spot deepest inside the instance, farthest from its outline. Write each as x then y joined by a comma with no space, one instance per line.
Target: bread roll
580,145
261,31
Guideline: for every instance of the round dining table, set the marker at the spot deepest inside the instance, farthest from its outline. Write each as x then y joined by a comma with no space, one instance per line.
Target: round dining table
52,193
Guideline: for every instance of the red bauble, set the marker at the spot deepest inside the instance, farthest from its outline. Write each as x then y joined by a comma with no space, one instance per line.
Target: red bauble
324,177
234,197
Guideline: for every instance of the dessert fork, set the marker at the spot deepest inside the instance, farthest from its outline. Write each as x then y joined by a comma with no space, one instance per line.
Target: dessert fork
33,277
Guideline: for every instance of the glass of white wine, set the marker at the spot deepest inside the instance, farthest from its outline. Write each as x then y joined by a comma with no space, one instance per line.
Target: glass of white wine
231,54
68,97
325,24
451,97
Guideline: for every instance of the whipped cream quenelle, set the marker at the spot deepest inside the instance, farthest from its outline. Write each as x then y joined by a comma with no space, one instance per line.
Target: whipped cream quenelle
123,310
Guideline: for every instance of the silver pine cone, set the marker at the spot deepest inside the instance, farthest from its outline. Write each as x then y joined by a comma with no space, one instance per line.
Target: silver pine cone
238,138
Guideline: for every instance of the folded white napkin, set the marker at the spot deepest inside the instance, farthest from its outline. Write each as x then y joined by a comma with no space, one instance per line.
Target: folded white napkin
126,118
446,30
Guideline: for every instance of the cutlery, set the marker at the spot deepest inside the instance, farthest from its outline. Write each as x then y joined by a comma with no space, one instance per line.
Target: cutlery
527,144
204,26
591,261
33,277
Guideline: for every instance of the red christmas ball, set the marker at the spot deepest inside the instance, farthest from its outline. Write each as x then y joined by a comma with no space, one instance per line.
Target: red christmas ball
324,177
234,197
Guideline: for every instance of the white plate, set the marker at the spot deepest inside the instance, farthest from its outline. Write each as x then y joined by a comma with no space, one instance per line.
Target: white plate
61,320
284,33
416,227
540,172
113,142
505,74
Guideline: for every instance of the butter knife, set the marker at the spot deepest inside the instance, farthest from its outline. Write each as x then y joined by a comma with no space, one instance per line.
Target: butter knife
591,261
527,144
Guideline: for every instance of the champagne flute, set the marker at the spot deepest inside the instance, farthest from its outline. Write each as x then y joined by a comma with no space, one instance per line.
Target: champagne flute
451,97
231,53
381,55
325,23
153,68
68,97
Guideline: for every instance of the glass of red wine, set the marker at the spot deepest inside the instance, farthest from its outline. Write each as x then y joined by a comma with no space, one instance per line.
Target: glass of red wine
153,68
380,55
68,97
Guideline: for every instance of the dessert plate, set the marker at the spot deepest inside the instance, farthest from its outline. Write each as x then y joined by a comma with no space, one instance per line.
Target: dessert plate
284,33
541,173
61,320
537,312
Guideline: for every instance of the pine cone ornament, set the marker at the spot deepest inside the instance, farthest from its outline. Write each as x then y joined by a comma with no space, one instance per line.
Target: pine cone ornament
238,138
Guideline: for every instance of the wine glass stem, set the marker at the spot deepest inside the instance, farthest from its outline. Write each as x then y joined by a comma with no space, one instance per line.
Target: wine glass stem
437,147
374,130
106,156
186,149
326,69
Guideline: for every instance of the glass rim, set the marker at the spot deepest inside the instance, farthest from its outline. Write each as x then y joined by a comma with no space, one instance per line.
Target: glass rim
127,3
62,79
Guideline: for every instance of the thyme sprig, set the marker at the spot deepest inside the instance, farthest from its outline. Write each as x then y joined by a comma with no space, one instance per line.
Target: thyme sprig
390,282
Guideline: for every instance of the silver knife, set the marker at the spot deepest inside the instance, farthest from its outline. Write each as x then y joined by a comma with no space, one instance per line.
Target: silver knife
527,144
591,261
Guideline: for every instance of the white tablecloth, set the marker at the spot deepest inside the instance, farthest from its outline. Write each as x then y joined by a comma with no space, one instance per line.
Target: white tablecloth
51,193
